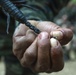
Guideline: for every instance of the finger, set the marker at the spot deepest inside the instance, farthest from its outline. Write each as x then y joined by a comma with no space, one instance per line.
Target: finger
47,26
57,34
67,36
43,59
30,55
56,56
21,43
63,35
20,30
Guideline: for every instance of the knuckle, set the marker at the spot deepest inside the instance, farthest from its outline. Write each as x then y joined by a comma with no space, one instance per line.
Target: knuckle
31,56
44,44
17,54
59,68
15,49
23,62
17,44
14,52
57,52
70,33
28,59
42,68
29,40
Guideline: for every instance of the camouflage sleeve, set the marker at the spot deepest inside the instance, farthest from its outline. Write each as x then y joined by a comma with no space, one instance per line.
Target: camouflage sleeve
5,39
37,10
42,9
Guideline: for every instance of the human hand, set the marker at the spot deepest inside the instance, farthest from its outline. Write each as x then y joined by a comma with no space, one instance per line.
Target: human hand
41,53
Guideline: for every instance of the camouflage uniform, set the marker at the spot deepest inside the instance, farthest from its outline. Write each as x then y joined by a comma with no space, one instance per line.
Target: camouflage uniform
34,10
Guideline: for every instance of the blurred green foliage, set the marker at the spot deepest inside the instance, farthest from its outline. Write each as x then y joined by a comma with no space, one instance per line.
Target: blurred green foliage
74,1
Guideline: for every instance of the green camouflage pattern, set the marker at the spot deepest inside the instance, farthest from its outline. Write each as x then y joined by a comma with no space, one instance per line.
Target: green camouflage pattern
16,69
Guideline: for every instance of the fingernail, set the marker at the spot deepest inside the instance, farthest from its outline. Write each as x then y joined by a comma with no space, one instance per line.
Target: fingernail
43,35
53,42
57,34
